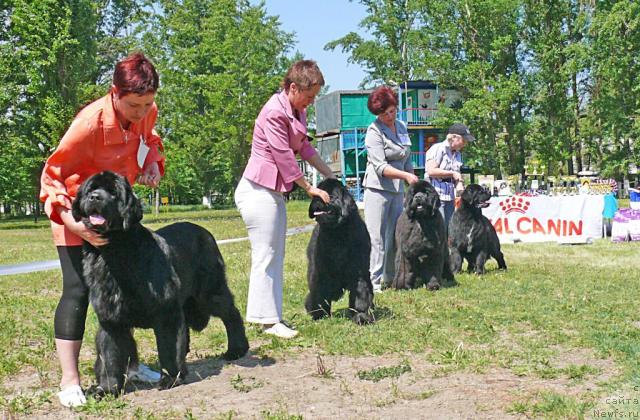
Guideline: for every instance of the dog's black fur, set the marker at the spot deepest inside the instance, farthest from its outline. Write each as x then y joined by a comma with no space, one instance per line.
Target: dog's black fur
471,235
422,256
338,254
169,280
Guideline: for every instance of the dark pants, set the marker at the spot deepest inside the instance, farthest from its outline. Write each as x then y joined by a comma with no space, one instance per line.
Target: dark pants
71,312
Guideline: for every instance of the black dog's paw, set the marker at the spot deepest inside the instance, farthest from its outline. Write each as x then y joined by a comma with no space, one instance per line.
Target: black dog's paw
319,314
234,353
168,382
362,318
316,311
433,286
96,392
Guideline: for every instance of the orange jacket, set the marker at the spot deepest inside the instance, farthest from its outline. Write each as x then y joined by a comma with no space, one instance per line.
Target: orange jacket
93,143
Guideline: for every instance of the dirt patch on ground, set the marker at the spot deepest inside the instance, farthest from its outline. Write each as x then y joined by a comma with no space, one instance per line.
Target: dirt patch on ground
322,387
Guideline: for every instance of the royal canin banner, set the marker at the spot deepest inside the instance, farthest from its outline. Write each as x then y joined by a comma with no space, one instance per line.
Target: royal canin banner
562,219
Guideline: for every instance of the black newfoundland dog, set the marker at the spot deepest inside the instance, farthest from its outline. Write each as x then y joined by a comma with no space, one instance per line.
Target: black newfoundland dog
422,256
169,280
471,235
338,254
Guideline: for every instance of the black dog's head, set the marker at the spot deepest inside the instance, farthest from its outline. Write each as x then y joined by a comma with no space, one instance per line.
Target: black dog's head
421,201
475,197
339,209
105,203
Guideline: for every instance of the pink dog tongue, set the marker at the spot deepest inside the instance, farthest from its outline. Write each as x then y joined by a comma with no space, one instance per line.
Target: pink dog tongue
96,219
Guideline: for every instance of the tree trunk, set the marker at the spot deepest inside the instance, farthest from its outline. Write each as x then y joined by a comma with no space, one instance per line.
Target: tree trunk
156,206
576,128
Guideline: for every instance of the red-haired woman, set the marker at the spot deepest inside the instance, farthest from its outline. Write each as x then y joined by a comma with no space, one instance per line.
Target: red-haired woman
388,165
114,133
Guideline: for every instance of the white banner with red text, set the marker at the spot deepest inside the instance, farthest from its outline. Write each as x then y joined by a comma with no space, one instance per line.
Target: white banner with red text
569,219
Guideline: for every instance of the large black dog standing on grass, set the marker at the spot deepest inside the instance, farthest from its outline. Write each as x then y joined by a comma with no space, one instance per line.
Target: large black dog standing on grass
169,280
338,255
471,235
422,256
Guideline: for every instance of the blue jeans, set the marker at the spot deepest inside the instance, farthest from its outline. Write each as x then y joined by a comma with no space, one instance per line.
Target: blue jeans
446,210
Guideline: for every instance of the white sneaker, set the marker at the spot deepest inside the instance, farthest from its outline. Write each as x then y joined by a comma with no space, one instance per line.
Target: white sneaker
72,396
377,288
144,374
280,330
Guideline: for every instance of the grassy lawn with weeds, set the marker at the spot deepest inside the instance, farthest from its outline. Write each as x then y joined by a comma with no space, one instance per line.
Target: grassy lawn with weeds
553,299
26,241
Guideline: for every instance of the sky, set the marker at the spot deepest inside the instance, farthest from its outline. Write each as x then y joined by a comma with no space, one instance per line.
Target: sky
315,23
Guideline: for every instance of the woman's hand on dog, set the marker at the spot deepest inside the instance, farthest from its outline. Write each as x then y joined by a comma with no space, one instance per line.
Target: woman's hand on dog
410,178
317,192
87,234
80,229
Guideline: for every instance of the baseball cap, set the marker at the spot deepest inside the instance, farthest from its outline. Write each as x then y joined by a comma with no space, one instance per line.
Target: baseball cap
461,130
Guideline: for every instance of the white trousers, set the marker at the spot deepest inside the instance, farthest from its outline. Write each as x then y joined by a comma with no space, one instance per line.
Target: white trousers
381,212
265,215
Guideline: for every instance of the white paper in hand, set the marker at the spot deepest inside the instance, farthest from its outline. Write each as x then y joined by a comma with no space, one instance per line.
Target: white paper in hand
143,151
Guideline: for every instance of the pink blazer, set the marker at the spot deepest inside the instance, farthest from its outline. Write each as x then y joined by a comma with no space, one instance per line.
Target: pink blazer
277,137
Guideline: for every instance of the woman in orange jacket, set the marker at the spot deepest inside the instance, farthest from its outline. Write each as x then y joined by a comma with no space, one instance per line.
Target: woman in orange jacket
116,133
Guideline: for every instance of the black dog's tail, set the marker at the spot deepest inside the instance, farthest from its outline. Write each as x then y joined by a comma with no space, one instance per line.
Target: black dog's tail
496,252
502,265
212,282
194,316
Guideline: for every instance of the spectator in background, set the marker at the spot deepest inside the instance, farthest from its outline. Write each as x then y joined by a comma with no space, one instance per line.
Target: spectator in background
443,163
388,165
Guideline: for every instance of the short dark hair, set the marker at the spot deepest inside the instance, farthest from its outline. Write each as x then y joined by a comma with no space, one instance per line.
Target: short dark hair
381,99
135,74
305,74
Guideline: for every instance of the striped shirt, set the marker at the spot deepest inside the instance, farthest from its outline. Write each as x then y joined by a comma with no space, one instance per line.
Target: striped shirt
448,160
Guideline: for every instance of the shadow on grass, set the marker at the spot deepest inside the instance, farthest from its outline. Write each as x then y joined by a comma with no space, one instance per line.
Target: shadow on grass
379,313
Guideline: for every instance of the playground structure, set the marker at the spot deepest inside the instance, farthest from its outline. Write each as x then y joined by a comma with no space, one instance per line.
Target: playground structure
342,118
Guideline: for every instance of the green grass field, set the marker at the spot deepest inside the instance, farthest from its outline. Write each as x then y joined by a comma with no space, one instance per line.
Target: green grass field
554,298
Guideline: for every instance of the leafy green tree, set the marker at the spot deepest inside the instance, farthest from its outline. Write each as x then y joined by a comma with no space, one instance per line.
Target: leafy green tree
469,45
219,60
554,31
47,53
474,46
391,54
614,111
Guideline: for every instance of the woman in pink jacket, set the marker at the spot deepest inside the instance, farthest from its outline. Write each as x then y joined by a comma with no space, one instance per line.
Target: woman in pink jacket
279,134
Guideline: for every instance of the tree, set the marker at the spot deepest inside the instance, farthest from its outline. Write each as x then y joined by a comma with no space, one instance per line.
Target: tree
474,46
469,45
47,53
220,60
391,54
615,86
554,32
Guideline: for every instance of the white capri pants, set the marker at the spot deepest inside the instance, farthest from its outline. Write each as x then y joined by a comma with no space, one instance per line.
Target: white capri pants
265,215
381,212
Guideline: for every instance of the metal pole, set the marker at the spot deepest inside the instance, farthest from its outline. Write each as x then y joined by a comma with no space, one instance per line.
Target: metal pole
357,156
343,166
